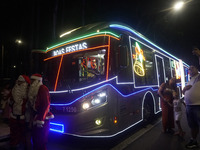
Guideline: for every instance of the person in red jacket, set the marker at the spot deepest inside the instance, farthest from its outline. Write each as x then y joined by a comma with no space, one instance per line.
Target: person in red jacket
39,99
18,102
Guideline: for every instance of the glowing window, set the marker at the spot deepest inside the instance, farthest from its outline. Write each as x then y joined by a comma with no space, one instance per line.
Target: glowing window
143,64
82,68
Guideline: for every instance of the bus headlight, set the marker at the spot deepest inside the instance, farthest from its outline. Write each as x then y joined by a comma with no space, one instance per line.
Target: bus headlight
95,100
85,105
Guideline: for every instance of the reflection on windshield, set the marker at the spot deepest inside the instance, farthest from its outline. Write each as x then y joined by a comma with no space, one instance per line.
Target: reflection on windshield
78,70
91,66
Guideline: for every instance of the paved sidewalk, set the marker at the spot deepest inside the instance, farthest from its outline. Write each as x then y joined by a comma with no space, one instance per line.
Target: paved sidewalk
4,135
4,130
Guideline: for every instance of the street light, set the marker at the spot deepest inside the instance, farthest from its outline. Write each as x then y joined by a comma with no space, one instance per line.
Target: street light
19,55
18,41
178,5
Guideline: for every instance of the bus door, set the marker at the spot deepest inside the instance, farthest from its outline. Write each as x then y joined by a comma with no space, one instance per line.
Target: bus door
160,70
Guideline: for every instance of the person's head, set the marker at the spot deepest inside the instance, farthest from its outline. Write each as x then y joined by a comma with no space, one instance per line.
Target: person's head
172,81
36,78
5,92
193,70
36,82
21,87
23,79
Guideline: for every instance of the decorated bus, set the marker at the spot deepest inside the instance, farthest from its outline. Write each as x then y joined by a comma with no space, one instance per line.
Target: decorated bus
104,77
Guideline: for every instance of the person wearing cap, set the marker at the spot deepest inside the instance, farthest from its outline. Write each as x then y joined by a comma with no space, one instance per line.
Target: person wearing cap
39,99
17,117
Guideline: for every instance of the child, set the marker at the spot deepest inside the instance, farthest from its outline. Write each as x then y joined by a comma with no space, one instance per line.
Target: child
177,104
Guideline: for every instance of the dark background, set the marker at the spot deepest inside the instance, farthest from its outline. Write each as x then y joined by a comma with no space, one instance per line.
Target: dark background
40,22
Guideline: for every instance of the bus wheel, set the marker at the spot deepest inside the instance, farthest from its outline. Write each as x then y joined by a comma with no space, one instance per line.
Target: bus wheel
147,112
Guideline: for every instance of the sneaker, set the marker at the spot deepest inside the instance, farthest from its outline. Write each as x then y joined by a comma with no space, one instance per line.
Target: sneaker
192,144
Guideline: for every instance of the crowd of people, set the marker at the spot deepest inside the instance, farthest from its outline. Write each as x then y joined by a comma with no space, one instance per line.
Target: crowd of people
171,104
28,104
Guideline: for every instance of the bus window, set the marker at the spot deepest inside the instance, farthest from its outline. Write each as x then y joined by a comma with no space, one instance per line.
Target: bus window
173,72
91,65
51,69
143,64
81,69
176,69
123,56
167,68
186,73
160,70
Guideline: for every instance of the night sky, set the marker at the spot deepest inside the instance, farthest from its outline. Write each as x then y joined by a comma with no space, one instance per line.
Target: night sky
40,22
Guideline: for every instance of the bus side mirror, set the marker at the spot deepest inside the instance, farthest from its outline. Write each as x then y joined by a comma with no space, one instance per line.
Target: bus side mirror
123,56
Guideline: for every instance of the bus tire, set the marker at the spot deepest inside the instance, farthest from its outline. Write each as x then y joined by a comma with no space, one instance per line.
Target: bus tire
148,111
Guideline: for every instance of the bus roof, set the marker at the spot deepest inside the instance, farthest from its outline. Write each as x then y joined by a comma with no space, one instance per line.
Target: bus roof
105,28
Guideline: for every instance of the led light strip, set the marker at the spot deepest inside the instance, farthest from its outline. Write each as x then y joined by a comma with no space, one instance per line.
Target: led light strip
132,63
141,36
182,74
105,136
157,56
96,34
74,90
117,82
67,104
58,73
108,58
92,48
150,47
155,112
109,136
57,124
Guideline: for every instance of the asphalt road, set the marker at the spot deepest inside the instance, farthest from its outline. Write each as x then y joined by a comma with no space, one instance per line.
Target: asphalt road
154,139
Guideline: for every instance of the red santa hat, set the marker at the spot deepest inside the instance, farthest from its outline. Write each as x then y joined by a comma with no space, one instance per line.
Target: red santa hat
37,77
24,78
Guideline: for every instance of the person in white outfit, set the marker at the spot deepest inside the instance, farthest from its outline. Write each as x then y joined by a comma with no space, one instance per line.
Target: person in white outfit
177,104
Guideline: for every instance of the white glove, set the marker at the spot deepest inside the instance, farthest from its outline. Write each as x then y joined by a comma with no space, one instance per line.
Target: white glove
39,125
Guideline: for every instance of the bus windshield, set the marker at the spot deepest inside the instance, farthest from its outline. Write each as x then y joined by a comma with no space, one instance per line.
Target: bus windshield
76,70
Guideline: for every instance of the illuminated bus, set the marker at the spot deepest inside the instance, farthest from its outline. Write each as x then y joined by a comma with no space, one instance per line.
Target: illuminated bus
103,79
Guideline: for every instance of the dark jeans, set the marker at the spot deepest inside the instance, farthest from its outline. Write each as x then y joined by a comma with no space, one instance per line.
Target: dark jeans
193,115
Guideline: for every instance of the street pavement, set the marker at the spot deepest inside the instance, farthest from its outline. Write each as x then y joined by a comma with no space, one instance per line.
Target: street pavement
4,135
152,138
4,131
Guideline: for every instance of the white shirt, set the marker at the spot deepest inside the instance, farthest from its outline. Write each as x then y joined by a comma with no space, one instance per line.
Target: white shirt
192,96
177,103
